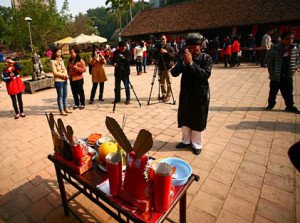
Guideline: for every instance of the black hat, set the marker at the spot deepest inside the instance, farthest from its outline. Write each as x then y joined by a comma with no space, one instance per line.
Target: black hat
286,34
194,39
122,43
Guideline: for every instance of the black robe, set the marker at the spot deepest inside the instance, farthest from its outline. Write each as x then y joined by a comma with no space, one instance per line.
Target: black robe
194,92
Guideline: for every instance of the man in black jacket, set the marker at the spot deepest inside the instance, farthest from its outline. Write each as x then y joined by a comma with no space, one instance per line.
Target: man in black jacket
195,67
282,64
164,56
121,60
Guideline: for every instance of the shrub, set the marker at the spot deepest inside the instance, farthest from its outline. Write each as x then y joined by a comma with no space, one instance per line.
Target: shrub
27,66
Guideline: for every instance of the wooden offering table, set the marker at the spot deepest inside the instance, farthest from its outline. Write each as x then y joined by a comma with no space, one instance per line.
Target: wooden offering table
89,184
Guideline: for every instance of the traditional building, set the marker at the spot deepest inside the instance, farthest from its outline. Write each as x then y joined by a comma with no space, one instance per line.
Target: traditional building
216,17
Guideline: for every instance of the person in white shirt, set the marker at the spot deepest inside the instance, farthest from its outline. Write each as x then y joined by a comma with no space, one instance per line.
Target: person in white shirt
138,58
144,46
266,44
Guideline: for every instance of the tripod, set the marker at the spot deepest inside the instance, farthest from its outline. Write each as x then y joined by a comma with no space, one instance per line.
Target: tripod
153,80
131,87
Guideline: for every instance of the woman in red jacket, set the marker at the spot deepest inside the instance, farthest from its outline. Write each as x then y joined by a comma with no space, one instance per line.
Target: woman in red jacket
235,49
76,67
14,85
226,51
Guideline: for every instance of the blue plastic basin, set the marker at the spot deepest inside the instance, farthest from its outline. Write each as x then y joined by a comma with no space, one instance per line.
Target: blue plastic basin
183,170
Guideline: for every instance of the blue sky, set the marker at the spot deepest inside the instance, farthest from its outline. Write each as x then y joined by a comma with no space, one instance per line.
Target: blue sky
75,6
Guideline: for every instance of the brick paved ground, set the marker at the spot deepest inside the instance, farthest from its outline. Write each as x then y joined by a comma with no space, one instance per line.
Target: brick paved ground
245,173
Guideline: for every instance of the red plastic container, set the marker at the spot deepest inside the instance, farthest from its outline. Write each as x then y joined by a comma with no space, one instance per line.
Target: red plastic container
135,183
162,186
78,150
114,169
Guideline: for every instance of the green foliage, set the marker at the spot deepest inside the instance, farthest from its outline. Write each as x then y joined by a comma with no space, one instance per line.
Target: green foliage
116,7
5,21
47,25
81,24
85,57
136,8
103,19
27,65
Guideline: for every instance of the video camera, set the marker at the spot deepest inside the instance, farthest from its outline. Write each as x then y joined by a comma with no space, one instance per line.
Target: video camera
157,43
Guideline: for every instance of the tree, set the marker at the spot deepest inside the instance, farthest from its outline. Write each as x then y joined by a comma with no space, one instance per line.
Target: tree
136,8
81,24
65,10
117,8
47,25
6,19
102,19
128,5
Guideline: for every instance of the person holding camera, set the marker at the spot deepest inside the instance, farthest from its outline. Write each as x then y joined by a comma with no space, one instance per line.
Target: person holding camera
194,97
164,55
97,61
121,60
14,85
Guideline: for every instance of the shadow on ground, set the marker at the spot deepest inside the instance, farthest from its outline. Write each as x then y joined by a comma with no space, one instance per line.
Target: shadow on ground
230,109
40,199
267,126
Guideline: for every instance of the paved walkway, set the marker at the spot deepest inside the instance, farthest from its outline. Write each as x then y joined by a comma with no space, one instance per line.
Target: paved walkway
245,173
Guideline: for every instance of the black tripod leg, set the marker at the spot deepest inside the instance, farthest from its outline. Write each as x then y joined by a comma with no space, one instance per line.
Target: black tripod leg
158,89
151,91
135,94
114,108
152,83
148,102
174,102
169,85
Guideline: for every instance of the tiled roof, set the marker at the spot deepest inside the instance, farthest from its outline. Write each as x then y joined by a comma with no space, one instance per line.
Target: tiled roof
207,14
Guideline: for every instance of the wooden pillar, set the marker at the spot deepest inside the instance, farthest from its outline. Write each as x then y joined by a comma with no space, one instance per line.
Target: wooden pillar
234,29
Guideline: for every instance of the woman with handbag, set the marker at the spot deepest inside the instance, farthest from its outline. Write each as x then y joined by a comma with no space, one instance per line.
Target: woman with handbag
76,67
97,62
14,85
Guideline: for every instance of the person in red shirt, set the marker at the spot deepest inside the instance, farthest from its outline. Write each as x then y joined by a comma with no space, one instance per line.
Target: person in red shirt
226,50
76,67
235,49
14,85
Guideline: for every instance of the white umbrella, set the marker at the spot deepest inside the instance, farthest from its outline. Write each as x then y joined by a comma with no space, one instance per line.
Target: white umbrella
98,39
81,39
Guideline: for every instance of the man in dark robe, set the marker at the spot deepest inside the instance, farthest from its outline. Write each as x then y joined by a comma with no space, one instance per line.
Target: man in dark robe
195,67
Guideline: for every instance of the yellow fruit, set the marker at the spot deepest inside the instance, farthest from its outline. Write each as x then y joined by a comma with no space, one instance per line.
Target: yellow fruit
106,148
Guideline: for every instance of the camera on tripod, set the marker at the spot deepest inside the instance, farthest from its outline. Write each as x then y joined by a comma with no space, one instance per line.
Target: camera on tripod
157,43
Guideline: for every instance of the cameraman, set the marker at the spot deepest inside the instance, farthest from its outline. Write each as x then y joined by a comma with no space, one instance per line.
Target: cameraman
164,55
121,60
195,67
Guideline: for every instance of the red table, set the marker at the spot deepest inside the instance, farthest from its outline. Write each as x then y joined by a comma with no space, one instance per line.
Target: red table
87,184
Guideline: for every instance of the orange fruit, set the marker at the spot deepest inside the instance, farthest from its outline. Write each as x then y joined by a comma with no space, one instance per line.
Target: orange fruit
106,148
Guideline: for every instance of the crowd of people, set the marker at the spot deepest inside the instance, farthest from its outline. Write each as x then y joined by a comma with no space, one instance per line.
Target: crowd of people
189,58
